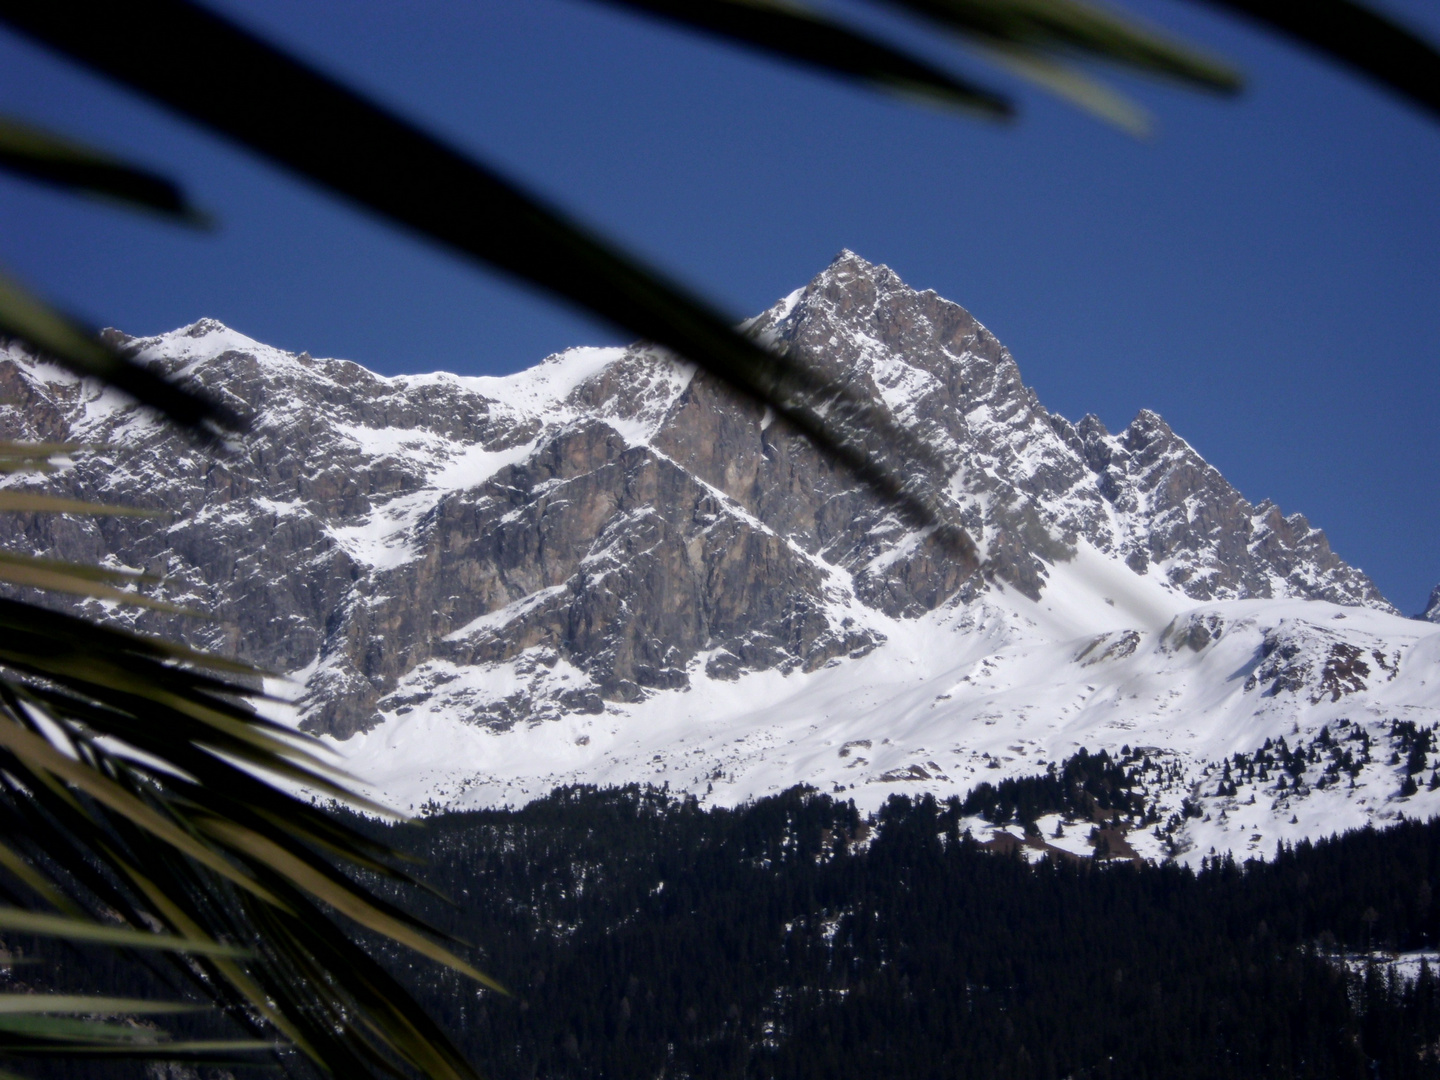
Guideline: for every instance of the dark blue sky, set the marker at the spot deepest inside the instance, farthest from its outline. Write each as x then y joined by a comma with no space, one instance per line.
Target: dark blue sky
1265,273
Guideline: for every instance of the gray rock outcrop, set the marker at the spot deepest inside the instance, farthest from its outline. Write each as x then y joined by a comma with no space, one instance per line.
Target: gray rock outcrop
1432,609
609,519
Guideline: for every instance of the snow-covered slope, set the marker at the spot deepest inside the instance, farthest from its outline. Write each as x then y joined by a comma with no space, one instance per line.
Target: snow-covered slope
607,568
1002,686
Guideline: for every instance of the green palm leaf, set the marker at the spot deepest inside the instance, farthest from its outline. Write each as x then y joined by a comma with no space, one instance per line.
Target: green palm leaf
800,35
90,1005
79,1039
91,932
77,579
33,457
28,318
52,159
1070,28
139,795
14,500
1028,37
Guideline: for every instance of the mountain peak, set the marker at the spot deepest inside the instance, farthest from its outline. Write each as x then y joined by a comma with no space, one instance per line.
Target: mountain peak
203,327
1432,609
1149,426
204,339
559,553
852,259
847,268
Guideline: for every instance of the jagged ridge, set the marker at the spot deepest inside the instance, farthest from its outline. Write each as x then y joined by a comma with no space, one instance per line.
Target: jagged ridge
611,528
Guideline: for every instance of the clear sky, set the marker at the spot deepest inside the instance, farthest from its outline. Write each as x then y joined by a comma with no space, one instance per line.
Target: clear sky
1264,272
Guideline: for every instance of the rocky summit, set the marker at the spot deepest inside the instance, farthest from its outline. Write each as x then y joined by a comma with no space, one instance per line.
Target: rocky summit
1432,609
608,567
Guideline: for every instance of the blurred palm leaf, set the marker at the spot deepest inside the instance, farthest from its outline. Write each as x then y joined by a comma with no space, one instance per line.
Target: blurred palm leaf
60,338
138,804
89,1005
1359,37
72,928
1060,28
1073,85
33,457
54,159
800,35
133,781
1036,38
49,1025
13,500
79,579
1028,37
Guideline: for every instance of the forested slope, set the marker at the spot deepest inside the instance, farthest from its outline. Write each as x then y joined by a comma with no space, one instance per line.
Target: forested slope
644,936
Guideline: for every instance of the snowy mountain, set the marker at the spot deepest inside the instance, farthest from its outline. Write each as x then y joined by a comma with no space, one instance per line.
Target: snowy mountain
607,568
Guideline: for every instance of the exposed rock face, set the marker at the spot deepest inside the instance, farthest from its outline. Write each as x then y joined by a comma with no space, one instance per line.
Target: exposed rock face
1432,609
600,525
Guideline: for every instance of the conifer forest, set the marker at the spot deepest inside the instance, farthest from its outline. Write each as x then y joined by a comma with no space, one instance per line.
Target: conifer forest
643,935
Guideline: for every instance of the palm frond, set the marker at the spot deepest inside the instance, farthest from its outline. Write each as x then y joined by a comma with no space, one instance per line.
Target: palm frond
1359,37
33,457
1071,84
803,36
1070,28
90,1005
133,784
138,803
1031,38
13,500
71,928
37,154
25,316
80,579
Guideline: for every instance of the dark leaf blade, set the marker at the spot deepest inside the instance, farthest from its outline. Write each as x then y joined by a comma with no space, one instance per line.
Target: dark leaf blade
1358,36
39,155
20,501
69,1030
78,579
80,571
332,1009
42,758
1070,84
312,876
23,870
88,1005
227,968
1069,27
74,929
218,1052
796,34
108,641
322,130
58,337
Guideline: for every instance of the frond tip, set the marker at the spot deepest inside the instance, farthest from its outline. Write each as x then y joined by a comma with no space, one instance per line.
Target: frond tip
135,813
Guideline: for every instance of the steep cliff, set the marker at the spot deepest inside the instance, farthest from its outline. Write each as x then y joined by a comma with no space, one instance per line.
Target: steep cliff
570,550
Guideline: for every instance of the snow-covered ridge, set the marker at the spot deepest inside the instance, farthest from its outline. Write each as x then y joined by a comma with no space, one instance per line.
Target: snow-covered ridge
1001,687
607,568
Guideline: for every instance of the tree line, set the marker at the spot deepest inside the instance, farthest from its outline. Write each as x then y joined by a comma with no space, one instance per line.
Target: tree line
643,935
